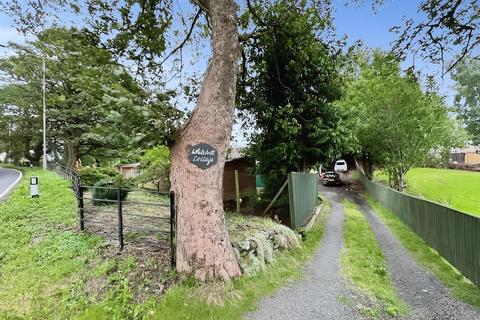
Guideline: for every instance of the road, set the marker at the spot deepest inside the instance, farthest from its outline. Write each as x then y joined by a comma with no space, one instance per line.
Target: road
8,179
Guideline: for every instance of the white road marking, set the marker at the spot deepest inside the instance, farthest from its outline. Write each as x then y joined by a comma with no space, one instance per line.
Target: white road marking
13,184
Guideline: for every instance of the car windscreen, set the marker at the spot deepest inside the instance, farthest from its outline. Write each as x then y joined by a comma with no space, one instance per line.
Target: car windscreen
341,163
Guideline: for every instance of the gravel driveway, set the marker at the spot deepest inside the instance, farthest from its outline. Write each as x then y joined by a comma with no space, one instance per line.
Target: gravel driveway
426,296
317,295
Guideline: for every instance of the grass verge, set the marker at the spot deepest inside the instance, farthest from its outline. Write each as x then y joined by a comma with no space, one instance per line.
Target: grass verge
362,262
48,270
38,247
187,301
461,287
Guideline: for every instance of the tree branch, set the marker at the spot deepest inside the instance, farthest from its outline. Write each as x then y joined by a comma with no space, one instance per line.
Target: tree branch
254,14
202,4
187,37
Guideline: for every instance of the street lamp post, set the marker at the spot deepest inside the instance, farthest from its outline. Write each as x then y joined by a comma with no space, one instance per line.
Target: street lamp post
44,120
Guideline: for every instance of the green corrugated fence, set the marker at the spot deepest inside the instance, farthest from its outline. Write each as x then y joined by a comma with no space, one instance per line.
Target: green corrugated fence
454,234
302,197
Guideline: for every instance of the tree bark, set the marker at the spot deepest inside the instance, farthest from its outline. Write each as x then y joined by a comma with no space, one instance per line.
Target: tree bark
37,152
203,246
70,154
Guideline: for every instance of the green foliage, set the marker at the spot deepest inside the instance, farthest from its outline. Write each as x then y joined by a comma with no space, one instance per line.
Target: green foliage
397,123
466,74
155,165
363,263
462,288
108,189
99,118
439,28
289,81
19,134
91,175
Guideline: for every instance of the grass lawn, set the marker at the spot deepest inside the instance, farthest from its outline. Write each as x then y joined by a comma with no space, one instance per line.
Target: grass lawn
454,188
362,262
461,287
49,270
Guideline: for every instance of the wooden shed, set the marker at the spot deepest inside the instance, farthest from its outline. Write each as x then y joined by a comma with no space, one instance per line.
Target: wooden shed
246,178
129,170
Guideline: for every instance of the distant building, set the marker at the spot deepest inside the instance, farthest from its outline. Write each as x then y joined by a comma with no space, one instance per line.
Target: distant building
246,176
467,155
129,170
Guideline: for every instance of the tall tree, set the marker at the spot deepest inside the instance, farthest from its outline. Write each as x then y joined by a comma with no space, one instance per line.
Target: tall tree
89,99
20,123
398,124
203,245
139,30
289,81
466,74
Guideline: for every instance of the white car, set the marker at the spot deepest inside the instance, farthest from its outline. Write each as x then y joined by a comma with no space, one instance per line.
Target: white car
340,166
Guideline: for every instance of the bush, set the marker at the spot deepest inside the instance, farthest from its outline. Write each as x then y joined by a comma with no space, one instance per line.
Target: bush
155,165
89,176
108,189
110,172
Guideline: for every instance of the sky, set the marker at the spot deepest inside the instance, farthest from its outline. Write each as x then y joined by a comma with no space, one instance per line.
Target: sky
358,22
361,23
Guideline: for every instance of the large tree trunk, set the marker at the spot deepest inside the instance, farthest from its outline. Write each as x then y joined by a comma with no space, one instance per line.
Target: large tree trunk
203,245
71,154
37,152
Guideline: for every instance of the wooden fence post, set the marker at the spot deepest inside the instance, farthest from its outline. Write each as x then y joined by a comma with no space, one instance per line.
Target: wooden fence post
120,218
237,190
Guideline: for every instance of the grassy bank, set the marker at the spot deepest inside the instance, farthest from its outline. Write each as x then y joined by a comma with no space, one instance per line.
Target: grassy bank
461,288
49,270
39,249
454,188
362,262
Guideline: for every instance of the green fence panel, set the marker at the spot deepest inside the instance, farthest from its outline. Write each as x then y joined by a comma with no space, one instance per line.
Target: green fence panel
454,234
302,197
259,181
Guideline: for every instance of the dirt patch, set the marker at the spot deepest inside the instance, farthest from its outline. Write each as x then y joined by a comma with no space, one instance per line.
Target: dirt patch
144,265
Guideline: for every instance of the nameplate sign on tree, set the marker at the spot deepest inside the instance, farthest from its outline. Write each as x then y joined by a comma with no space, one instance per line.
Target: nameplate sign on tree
203,155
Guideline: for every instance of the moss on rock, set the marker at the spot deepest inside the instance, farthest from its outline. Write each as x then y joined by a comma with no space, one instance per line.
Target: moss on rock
256,239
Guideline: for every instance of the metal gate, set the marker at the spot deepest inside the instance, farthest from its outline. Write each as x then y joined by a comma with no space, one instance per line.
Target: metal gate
125,215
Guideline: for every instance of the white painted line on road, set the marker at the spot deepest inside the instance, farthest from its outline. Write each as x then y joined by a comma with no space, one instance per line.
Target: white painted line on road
13,184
